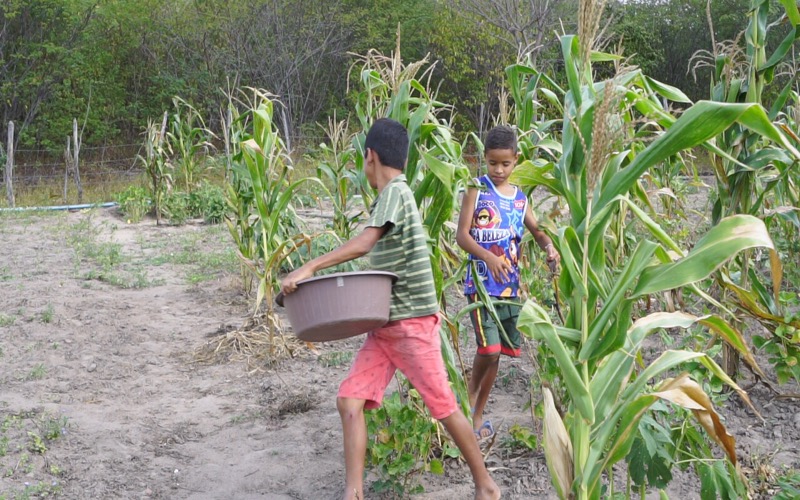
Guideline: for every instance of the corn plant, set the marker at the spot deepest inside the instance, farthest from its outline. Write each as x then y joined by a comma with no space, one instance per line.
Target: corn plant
189,141
336,166
598,345
753,170
262,218
157,164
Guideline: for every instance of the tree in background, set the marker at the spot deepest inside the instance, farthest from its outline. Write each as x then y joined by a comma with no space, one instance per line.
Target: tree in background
662,36
527,26
470,69
37,38
114,64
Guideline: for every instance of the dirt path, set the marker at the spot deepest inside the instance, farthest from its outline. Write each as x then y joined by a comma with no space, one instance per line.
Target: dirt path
99,321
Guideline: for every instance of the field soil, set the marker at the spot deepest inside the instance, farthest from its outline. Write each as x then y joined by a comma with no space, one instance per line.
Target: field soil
106,389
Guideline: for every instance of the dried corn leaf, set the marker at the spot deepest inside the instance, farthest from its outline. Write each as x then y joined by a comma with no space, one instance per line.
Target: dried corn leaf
685,392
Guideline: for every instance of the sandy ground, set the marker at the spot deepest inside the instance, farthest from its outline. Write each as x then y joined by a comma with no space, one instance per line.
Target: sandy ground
99,325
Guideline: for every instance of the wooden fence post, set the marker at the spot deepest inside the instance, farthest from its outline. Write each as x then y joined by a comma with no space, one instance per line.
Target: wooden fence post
67,167
10,166
76,151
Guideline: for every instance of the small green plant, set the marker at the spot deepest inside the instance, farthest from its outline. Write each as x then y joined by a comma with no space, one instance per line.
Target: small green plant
405,441
176,207
335,358
54,428
47,314
134,203
6,320
209,203
37,372
520,438
36,443
788,486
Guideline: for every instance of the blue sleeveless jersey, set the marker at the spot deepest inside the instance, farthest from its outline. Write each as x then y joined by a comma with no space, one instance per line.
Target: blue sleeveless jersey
498,222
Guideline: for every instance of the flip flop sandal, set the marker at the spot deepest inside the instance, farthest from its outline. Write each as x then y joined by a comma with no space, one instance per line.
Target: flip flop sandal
486,426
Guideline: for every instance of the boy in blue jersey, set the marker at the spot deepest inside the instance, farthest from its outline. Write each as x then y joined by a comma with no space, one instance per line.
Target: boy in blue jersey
490,229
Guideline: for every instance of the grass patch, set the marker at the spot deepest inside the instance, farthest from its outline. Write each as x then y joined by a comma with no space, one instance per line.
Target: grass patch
6,320
98,187
25,440
47,315
105,260
335,358
216,258
38,372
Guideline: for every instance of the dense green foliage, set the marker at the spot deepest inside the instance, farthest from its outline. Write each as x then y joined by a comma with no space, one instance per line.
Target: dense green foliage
115,64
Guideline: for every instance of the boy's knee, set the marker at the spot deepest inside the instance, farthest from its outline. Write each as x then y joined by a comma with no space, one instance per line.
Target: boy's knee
350,408
495,356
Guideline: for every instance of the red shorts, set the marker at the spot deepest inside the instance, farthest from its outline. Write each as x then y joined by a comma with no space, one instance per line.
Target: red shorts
411,345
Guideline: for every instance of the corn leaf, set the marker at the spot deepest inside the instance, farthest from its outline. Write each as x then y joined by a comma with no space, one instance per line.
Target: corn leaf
534,322
722,242
699,124
599,329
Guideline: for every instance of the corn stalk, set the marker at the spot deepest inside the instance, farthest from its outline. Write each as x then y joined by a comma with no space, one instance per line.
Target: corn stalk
189,141
157,163
597,346
262,216
749,178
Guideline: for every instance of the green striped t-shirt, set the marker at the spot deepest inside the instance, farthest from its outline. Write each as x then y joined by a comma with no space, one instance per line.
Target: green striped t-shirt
403,250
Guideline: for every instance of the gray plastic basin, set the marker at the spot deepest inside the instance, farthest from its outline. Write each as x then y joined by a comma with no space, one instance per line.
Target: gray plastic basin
340,305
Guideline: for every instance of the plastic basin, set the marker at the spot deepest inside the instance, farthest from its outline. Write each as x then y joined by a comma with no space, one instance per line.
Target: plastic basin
338,306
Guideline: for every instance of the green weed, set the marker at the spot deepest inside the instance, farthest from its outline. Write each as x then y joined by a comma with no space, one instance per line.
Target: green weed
134,203
6,320
788,486
37,373
26,438
520,438
336,358
404,442
47,314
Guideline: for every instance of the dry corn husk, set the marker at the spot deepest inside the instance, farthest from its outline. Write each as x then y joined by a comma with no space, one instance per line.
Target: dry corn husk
557,447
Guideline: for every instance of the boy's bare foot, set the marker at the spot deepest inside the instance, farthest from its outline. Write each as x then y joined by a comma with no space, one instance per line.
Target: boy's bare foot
488,492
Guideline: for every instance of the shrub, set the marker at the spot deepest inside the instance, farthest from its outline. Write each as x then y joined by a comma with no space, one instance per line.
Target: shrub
405,441
175,207
208,202
134,203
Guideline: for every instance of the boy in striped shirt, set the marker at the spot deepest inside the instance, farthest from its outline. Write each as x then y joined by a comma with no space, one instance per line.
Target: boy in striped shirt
396,241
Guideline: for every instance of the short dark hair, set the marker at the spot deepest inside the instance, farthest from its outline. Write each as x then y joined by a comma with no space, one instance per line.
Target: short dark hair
389,139
501,137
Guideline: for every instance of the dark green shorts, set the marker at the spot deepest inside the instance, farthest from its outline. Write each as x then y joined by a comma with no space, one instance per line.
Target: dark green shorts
487,334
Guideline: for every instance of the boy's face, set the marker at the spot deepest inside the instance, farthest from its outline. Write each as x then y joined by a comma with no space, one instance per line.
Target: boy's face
499,165
370,168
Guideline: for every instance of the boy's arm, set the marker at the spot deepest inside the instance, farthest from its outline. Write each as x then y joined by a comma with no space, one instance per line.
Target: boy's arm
349,250
499,268
544,241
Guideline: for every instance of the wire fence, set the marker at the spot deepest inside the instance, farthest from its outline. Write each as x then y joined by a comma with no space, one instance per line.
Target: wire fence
116,163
